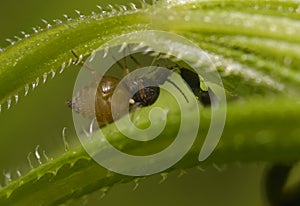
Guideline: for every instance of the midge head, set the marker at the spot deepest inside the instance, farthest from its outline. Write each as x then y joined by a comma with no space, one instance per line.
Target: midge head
83,102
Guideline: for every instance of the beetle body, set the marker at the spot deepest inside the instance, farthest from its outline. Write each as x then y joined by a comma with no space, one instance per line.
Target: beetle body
83,103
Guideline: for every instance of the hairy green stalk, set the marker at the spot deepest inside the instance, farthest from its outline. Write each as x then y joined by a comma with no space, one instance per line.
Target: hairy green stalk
79,174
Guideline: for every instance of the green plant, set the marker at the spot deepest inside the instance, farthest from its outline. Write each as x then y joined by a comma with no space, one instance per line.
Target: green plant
255,46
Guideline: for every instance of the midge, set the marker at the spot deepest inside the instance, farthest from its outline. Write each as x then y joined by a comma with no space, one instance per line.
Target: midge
146,95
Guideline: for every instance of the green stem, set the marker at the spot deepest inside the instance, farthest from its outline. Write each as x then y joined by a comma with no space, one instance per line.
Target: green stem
78,174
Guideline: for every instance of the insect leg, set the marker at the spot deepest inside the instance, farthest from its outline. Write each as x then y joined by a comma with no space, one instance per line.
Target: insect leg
133,107
171,82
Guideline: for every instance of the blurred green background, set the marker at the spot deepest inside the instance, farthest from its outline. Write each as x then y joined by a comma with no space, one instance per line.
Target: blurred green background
40,118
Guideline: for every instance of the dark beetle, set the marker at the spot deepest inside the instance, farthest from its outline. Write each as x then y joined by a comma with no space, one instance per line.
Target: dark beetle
192,80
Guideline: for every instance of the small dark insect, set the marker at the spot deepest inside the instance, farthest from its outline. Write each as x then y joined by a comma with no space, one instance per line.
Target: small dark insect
192,80
145,96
